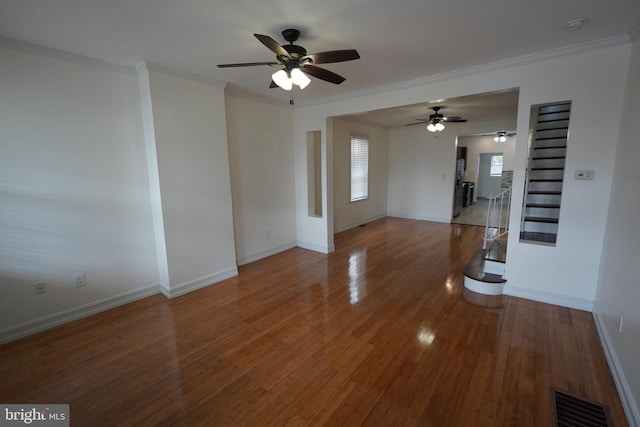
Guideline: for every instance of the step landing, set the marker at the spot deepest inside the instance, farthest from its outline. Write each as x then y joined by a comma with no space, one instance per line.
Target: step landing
484,273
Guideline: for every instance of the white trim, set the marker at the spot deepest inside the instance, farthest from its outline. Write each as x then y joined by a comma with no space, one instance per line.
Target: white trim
316,248
202,282
493,66
358,223
267,253
420,217
238,92
48,52
150,66
75,313
626,397
549,298
484,288
494,267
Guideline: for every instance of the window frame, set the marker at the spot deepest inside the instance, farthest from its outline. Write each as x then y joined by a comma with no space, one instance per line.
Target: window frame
359,172
492,165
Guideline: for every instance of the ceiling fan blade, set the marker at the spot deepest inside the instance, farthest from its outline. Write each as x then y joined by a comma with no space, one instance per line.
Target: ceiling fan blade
322,74
418,123
273,45
333,56
248,64
454,119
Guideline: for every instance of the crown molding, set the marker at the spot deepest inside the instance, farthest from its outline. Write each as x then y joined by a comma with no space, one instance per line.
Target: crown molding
150,66
63,55
493,66
239,92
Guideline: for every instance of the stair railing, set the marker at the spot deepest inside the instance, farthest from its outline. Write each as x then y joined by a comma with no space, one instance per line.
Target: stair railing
497,224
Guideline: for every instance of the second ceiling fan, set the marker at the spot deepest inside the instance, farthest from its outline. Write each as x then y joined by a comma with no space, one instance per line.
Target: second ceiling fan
436,121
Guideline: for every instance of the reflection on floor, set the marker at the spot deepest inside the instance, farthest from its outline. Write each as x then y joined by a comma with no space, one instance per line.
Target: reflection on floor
476,214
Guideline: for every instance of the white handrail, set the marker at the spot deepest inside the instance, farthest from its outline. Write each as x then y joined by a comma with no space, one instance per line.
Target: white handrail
497,224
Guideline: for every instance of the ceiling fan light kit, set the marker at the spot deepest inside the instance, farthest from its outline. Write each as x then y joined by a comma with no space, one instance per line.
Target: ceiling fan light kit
287,80
436,121
435,127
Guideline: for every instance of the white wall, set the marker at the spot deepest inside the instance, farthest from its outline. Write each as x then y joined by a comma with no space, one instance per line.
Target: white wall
485,144
571,268
418,160
422,167
618,291
350,214
189,126
262,177
74,193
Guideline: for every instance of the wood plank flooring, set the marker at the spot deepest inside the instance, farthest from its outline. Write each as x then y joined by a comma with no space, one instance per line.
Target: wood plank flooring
379,333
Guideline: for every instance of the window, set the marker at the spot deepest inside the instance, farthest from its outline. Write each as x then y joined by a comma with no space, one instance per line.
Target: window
359,167
496,165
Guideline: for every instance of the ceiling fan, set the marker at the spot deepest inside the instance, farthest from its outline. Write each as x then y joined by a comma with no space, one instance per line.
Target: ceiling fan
436,121
297,63
502,135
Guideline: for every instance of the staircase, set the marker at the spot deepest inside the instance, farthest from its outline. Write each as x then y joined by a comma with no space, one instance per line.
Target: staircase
543,191
484,273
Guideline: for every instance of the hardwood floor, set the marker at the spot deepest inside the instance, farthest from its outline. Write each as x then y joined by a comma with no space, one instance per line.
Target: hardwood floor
380,333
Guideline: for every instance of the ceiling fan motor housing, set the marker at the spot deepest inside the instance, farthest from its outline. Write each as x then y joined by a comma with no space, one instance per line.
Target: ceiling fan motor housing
295,50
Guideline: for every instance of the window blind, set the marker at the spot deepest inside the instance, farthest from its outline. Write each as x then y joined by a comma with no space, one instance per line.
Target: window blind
359,167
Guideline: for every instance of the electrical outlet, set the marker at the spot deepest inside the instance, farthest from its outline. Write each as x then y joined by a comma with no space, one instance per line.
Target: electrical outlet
80,280
40,288
621,322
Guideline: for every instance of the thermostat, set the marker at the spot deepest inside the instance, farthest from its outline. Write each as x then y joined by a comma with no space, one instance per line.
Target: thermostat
584,175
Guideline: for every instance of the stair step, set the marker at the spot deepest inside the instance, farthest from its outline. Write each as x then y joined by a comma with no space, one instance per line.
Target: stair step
497,251
538,237
547,169
548,158
551,193
541,219
545,180
475,268
542,205
549,147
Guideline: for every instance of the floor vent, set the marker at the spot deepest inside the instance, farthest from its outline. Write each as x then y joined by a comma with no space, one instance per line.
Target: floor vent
573,411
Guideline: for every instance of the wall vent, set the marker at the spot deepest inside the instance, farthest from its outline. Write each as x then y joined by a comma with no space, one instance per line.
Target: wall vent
573,411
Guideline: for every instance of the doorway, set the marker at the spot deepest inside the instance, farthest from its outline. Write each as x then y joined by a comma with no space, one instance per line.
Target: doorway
489,174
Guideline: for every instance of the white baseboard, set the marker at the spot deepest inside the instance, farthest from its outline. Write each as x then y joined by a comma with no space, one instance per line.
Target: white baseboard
316,248
264,254
202,282
549,298
75,313
358,223
483,288
420,217
626,397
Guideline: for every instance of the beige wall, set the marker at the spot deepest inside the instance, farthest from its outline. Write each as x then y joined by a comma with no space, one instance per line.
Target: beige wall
261,166
350,214
618,291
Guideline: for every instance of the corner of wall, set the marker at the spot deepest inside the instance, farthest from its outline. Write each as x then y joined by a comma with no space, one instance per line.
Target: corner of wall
624,391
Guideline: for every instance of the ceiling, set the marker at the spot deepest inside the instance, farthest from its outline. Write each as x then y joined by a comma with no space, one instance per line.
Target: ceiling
491,107
398,41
